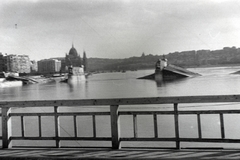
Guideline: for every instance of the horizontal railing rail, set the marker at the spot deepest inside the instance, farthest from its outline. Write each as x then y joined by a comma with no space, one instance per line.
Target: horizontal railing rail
114,114
123,101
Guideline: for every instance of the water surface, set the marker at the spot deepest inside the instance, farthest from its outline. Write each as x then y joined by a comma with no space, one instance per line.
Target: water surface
214,81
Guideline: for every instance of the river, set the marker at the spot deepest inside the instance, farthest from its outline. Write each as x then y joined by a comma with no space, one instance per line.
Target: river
214,81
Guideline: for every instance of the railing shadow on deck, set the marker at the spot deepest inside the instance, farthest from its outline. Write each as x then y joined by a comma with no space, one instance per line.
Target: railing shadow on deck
62,153
114,105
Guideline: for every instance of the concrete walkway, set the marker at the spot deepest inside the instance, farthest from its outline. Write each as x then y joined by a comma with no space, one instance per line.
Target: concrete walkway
49,154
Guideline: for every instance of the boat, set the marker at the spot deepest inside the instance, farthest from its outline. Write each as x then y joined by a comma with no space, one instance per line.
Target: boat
165,71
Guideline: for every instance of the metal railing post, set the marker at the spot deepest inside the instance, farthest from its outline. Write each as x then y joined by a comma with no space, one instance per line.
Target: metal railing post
199,126
6,128
222,125
115,127
176,125
135,130
57,130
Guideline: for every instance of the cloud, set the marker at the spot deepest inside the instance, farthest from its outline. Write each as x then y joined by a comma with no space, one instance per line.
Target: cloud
117,28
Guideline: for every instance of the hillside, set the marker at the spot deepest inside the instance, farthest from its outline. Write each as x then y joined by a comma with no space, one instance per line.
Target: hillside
225,56
132,63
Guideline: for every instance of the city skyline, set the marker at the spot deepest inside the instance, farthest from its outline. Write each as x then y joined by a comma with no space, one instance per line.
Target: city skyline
116,28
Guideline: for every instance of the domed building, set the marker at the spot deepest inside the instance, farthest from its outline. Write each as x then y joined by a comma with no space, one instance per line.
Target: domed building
73,52
73,58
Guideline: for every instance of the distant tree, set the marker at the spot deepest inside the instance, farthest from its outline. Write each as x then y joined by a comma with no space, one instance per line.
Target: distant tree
143,54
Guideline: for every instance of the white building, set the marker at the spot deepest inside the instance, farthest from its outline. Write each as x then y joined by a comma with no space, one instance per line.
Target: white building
49,66
17,63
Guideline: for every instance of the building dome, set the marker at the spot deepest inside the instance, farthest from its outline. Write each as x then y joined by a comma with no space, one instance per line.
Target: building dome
73,59
73,52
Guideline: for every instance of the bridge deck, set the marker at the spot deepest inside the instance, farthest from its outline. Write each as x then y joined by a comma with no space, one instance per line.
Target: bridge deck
46,154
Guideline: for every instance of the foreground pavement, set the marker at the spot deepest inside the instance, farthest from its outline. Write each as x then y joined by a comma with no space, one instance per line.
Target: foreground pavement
104,154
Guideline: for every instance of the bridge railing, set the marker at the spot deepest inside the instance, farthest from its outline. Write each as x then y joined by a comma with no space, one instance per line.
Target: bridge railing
114,114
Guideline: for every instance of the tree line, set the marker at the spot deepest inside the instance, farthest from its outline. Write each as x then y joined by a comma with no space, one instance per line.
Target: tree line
225,56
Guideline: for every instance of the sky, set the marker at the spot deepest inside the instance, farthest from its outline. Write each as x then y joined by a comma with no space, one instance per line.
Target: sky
116,28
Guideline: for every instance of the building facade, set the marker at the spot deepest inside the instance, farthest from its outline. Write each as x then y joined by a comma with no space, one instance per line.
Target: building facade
49,66
16,63
61,64
34,66
1,63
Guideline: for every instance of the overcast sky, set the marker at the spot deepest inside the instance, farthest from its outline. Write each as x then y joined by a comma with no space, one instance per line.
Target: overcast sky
116,28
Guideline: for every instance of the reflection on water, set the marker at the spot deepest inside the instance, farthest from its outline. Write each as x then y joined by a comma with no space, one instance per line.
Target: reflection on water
163,83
